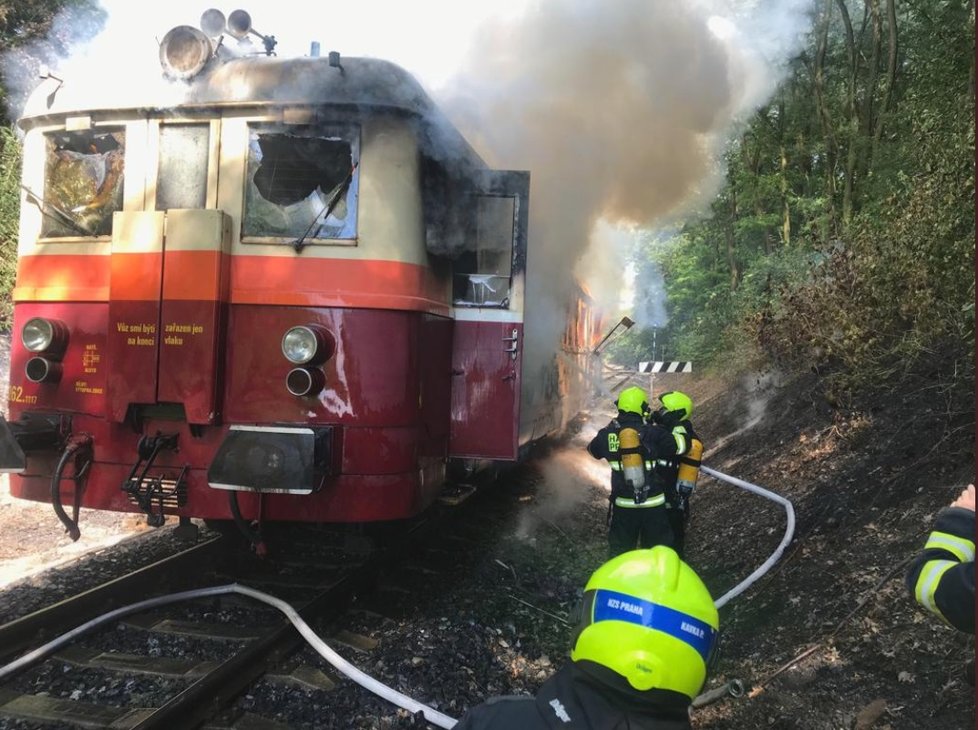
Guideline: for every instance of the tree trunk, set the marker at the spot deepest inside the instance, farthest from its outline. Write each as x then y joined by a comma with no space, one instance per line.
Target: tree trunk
783,172
870,109
891,71
825,119
728,232
785,205
851,156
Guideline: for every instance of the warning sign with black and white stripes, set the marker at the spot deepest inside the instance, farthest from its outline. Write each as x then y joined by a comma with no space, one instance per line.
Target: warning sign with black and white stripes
665,367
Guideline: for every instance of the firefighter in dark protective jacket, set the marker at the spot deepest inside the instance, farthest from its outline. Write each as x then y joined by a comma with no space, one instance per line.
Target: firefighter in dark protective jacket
636,512
942,576
646,632
678,473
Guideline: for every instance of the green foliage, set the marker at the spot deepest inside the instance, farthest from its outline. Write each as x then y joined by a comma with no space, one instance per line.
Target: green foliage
35,32
29,36
845,237
9,217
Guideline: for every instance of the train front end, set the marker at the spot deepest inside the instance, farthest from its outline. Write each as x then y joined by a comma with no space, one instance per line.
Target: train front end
292,294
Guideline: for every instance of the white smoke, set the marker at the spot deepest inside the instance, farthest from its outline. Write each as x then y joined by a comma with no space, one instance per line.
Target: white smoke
114,50
619,111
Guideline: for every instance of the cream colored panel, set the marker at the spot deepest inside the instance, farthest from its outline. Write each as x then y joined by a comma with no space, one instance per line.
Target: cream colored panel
231,179
33,179
390,223
213,163
152,161
78,124
137,165
137,232
197,230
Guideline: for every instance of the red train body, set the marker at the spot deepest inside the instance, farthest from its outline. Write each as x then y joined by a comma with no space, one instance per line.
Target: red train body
295,291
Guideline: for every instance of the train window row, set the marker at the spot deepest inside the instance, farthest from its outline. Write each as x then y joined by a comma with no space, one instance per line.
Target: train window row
301,183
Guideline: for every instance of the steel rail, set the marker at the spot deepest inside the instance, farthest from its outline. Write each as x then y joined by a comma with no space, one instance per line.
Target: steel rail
183,567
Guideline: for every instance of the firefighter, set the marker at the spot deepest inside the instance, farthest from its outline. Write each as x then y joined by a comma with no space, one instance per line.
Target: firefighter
636,508
678,473
645,637
942,576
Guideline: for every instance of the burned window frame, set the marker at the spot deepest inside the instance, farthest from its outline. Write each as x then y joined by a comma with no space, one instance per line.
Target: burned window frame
479,287
347,132
49,204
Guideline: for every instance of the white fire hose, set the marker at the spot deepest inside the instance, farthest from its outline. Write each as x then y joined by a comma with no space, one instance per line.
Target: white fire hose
734,688
341,665
789,532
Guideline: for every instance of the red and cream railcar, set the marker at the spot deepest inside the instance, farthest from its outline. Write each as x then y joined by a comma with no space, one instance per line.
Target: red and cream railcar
293,292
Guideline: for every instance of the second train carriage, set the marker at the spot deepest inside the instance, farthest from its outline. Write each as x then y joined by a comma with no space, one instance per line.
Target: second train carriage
279,287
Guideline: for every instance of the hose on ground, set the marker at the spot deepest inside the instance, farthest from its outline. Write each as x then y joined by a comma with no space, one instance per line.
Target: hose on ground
338,662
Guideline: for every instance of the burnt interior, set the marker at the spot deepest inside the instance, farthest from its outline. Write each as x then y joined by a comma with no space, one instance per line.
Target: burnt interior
299,186
82,182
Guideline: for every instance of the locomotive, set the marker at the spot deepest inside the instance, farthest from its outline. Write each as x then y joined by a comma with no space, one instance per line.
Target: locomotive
275,289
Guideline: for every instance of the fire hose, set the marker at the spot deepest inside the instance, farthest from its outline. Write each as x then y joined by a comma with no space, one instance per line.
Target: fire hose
733,688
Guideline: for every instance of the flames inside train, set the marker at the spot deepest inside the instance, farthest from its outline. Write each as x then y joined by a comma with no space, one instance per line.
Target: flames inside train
296,293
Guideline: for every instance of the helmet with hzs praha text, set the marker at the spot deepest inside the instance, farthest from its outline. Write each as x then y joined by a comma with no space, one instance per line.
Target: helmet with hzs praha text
648,617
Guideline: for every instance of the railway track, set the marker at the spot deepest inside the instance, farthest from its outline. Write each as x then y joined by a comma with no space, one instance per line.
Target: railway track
183,664
192,658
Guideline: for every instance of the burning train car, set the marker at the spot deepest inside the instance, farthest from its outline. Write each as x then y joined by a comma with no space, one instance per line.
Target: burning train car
291,291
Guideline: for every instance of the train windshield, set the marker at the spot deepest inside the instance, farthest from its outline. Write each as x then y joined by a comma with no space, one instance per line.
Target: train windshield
82,182
301,185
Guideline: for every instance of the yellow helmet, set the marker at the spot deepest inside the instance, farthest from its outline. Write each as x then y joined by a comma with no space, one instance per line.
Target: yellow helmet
648,617
676,401
633,400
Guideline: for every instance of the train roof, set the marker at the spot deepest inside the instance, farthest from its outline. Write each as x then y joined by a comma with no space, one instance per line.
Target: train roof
362,84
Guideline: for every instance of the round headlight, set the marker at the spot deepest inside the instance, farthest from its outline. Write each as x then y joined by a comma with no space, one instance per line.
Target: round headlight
41,370
305,381
37,335
307,345
299,345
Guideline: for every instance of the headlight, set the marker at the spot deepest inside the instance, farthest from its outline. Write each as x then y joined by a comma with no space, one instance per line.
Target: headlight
41,370
305,381
307,344
45,335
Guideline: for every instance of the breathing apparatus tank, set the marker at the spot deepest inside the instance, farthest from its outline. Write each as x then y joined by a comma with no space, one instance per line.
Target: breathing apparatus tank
689,468
632,463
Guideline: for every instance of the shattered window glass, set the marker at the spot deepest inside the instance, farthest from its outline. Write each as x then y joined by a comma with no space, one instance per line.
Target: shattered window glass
82,182
484,272
301,185
184,151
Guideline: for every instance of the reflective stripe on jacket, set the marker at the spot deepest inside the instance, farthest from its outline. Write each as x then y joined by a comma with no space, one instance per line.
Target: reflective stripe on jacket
942,577
653,501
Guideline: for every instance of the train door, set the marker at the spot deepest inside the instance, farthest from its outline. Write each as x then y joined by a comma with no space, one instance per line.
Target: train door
488,291
168,285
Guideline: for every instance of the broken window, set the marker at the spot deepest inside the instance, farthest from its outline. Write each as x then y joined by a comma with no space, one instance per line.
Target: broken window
184,152
301,185
484,272
82,182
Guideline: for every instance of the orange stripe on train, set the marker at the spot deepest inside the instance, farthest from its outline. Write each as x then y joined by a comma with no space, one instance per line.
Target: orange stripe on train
194,275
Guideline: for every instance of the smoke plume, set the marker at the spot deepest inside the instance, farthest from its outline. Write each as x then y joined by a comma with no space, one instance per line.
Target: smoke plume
619,111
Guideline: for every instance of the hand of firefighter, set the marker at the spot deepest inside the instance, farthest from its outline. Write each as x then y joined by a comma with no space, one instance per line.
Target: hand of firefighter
967,499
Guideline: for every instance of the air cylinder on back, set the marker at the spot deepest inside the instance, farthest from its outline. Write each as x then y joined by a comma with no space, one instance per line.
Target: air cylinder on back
632,463
689,466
